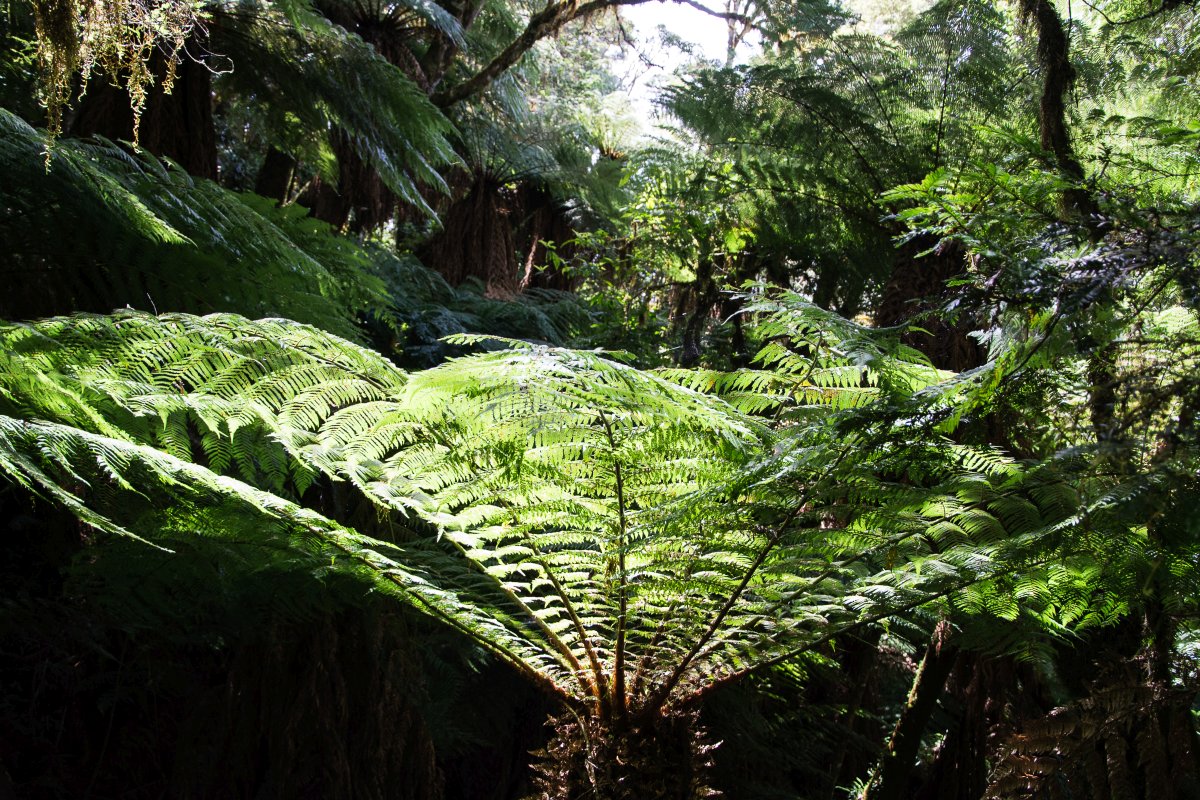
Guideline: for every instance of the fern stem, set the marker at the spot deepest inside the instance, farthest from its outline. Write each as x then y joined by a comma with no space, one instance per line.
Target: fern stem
665,690
856,625
589,686
599,685
660,697
840,565
659,633
618,691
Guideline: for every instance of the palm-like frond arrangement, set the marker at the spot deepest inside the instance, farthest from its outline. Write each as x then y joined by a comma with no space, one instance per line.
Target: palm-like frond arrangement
281,60
516,456
621,541
625,541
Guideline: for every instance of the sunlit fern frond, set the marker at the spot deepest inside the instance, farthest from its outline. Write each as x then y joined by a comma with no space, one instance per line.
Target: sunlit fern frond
815,358
125,488
626,540
98,228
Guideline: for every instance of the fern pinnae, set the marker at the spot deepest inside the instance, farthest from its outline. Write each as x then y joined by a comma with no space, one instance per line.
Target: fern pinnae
664,691
588,681
598,683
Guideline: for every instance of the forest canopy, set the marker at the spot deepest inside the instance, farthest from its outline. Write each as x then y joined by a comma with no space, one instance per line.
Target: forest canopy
387,411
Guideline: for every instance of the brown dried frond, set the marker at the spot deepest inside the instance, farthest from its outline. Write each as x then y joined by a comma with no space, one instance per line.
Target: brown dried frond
1105,745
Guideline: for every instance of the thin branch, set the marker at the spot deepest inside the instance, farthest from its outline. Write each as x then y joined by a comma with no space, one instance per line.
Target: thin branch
546,23
543,24
1167,5
728,16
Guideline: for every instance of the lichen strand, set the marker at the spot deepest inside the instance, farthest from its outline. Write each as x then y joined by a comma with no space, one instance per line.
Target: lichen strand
664,756
114,37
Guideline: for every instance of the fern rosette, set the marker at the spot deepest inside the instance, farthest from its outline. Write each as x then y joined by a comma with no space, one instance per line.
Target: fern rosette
625,541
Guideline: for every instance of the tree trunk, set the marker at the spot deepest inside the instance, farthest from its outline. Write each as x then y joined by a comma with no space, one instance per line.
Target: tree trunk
891,778
660,756
959,771
859,661
547,225
696,305
178,126
275,176
917,288
476,241
1053,54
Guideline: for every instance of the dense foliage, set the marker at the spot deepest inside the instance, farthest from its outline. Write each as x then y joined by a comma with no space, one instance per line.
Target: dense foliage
380,417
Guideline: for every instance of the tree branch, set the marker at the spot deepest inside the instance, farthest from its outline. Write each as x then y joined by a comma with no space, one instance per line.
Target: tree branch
546,22
543,24
728,16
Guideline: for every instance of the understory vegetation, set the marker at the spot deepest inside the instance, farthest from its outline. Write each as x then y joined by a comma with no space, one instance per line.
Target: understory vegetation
387,412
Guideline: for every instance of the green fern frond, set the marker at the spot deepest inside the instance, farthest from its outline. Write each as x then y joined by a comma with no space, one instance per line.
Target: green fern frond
146,236
391,122
631,540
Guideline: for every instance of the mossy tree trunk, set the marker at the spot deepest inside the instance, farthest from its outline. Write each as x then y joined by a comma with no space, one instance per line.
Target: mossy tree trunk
178,126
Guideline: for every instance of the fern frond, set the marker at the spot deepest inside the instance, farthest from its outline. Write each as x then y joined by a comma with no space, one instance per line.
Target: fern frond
100,228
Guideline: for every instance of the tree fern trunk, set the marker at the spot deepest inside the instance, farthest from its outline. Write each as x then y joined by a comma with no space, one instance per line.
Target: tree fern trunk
1053,54
275,176
476,241
892,776
696,306
918,286
178,126
661,756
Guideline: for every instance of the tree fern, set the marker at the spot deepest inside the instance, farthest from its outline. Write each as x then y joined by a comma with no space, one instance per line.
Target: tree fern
625,542
449,442
280,58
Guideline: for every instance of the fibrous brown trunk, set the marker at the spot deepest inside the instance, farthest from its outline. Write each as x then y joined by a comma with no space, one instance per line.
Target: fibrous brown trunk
657,756
959,769
360,201
547,226
476,241
275,176
917,288
178,126
322,710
